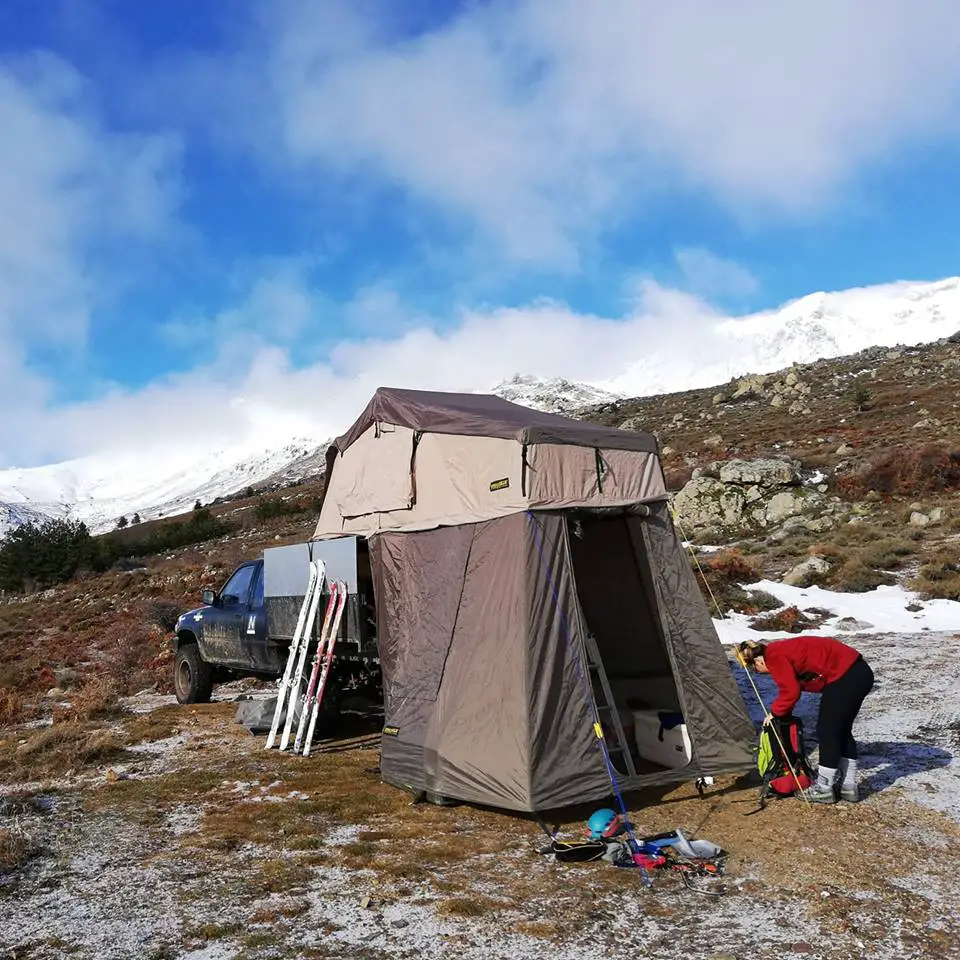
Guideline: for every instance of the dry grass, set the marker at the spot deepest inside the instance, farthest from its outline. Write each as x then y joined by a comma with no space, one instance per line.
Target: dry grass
275,913
11,706
475,906
17,848
59,749
97,699
938,578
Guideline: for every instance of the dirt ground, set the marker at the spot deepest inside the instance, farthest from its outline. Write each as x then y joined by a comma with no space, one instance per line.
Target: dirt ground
170,832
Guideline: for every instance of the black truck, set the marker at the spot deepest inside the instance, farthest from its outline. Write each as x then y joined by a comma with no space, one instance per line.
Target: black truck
244,629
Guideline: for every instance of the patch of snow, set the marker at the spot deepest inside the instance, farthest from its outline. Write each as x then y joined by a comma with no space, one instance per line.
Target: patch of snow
882,610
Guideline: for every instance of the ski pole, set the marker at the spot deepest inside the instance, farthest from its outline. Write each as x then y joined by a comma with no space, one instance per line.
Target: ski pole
776,732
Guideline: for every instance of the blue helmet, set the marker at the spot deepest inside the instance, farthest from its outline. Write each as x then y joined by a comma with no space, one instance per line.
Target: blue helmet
604,823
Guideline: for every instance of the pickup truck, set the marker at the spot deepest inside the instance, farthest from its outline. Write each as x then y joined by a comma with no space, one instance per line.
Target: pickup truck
244,629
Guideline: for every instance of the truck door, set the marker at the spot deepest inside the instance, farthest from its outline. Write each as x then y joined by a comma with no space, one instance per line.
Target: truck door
263,656
224,625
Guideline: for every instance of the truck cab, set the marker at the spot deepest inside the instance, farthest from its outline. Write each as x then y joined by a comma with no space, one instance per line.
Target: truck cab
245,627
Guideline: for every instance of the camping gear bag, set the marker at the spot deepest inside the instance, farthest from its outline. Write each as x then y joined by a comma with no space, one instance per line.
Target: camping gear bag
774,765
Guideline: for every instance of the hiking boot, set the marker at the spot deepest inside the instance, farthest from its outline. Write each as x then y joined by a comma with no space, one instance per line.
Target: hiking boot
820,792
849,792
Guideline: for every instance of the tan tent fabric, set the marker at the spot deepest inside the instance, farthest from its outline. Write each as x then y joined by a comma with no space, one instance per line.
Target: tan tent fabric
500,540
376,476
432,465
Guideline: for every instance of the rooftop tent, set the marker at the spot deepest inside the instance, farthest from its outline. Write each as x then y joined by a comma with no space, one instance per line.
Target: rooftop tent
528,584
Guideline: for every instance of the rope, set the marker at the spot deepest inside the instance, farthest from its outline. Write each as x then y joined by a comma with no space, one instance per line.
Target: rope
742,662
588,696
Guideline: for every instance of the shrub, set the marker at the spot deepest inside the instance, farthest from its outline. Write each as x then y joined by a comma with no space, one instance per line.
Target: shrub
938,578
855,576
860,395
11,706
926,469
887,554
16,849
164,613
98,699
720,577
269,507
789,619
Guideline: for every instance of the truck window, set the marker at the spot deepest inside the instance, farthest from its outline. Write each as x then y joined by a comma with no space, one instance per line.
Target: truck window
256,598
238,586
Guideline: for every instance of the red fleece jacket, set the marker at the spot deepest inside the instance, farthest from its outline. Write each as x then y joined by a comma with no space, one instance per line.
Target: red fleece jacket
805,663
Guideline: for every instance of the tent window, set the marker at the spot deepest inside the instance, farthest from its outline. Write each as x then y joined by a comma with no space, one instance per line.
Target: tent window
377,472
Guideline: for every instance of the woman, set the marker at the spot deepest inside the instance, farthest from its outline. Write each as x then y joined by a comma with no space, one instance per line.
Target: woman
842,678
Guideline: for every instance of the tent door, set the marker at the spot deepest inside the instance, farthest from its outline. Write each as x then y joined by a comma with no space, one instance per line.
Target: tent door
618,607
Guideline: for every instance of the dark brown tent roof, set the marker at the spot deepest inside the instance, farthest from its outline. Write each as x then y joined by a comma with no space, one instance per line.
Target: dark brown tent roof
487,415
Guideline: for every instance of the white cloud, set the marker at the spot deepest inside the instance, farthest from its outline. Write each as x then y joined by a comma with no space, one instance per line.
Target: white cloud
711,276
257,391
543,121
262,395
72,195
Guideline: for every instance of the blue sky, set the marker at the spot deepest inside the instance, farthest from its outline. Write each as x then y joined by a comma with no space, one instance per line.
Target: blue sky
282,202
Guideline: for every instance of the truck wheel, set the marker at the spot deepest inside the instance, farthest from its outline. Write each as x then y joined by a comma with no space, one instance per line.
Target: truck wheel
192,676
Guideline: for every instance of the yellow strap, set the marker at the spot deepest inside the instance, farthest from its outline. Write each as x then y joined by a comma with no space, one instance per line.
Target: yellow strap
598,730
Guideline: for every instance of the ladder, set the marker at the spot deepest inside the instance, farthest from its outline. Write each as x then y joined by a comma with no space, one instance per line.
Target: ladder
606,708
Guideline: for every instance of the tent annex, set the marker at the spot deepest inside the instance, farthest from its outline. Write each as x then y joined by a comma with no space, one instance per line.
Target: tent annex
529,584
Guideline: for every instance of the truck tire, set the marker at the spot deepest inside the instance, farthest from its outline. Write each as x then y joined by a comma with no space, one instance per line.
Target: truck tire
192,675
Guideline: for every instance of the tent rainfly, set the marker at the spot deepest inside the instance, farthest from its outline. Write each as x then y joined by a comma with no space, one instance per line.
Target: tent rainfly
530,590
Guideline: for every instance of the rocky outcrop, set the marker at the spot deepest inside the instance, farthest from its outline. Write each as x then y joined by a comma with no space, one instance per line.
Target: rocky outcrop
737,497
787,391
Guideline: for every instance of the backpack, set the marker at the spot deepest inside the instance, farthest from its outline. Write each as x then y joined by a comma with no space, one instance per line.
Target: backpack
774,765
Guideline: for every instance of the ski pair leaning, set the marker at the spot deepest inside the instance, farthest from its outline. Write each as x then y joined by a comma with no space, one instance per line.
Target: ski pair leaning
289,692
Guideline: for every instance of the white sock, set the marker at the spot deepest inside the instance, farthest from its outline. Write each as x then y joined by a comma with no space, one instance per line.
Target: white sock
827,776
848,768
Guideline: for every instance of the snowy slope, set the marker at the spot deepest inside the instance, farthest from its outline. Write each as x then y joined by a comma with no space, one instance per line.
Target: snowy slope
552,394
100,488
812,328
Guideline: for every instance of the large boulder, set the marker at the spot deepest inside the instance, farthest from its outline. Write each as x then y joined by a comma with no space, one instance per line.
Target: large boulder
708,504
806,573
763,473
733,497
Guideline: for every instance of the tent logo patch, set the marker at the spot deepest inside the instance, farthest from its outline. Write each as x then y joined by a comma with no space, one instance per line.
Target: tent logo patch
500,484
391,731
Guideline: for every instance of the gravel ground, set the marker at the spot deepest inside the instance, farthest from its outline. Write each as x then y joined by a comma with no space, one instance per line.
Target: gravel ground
840,882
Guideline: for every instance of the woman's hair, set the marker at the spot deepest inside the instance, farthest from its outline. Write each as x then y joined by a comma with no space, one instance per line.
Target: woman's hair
750,650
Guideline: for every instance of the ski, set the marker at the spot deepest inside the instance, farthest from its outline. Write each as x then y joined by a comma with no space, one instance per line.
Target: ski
317,657
297,677
325,673
317,572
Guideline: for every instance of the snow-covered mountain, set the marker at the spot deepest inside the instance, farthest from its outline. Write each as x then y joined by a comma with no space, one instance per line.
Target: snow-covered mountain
648,359
101,488
814,327
552,394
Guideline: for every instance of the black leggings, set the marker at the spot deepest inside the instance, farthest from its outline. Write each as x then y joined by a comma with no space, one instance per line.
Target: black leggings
840,703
